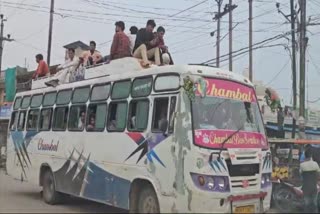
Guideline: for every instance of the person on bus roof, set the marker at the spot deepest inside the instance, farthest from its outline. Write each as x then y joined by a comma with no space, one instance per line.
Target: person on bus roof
143,48
132,37
68,67
43,69
92,56
120,47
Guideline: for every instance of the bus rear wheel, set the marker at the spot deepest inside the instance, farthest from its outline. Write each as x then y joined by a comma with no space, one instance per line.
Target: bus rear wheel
148,201
49,193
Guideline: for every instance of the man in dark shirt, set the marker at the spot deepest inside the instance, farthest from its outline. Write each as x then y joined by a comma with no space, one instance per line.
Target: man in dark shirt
120,47
143,48
310,171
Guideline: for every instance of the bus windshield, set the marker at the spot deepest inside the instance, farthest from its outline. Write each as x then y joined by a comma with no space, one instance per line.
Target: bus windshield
227,107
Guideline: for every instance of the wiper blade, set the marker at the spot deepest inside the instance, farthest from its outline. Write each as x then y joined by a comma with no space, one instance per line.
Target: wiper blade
222,144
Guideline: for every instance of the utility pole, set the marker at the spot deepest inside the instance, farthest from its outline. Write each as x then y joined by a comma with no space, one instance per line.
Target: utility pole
250,41
294,68
227,9
218,16
292,20
303,46
230,37
3,39
50,32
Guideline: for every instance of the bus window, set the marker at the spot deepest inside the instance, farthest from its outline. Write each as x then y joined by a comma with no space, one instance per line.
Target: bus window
22,119
25,102
45,119
117,116
17,103
60,119
167,83
81,95
121,90
77,118
64,97
160,113
36,100
171,113
138,116
32,121
49,99
100,92
96,120
14,120
141,87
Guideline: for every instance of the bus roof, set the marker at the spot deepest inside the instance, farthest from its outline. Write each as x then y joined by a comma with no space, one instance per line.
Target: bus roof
130,68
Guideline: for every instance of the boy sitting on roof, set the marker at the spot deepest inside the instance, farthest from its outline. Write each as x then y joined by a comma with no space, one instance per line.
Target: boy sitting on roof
144,49
69,67
92,56
120,47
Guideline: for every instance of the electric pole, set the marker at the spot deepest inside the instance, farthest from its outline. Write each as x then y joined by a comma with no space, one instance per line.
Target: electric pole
294,68
3,39
303,46
230,37
218,16
250,41
50,32
292,20
227,9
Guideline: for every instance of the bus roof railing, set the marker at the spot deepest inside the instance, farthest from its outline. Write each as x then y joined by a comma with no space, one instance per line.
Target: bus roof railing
293,141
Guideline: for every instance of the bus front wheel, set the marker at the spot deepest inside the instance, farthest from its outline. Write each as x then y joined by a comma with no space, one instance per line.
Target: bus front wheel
49,193
148,201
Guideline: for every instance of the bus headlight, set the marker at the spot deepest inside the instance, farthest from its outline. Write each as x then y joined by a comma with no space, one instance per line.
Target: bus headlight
211,183
220,182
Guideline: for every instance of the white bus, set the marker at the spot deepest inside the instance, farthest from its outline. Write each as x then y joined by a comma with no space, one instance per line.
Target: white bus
163,139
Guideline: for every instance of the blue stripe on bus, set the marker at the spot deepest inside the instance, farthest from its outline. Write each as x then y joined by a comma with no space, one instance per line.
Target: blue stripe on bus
106,187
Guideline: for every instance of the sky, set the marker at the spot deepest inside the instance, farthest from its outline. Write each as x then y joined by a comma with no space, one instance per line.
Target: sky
188,25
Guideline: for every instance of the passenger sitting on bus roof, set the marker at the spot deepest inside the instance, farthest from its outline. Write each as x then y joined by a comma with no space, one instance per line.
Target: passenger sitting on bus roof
132,37
143,48
120,47
92,56
43,69
92,122
158,41
68,67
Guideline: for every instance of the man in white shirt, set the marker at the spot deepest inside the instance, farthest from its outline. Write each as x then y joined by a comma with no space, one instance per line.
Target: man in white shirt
68,67
132,37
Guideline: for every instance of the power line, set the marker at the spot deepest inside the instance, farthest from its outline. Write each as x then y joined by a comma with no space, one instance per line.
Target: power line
280,36
282,69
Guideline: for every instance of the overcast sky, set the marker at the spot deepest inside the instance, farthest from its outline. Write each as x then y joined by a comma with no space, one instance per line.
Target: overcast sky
187,33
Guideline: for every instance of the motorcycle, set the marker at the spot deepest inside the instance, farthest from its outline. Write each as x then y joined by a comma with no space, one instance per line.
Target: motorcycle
288,198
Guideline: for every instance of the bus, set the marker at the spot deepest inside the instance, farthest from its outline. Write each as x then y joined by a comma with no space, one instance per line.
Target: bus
176,138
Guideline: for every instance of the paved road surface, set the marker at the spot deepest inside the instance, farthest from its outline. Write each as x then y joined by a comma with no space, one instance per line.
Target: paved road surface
17,197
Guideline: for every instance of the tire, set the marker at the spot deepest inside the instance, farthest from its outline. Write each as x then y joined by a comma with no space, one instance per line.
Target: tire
148,201
49,193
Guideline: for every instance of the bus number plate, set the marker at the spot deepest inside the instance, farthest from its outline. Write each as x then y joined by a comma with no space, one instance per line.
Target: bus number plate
245,209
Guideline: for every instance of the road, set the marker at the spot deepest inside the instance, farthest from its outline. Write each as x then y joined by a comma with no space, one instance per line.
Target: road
17,197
